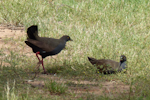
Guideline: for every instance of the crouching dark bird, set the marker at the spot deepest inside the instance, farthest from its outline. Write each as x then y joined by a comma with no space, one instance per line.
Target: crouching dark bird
44,46
108,66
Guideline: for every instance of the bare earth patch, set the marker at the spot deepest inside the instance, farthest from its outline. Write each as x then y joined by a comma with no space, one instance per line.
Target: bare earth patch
110,88
6,32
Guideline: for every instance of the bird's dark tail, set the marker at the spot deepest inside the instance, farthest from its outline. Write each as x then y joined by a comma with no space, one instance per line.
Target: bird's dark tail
32,32
91,59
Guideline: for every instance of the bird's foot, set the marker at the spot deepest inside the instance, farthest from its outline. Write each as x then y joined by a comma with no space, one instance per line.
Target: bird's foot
44,72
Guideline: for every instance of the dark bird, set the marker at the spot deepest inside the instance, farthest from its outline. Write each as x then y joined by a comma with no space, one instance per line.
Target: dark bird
44,46
108,66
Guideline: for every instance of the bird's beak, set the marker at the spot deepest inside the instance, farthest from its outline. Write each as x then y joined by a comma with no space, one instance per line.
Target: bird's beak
70,40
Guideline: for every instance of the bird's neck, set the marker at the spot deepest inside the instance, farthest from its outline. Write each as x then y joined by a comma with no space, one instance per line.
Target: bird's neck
63,38
123,64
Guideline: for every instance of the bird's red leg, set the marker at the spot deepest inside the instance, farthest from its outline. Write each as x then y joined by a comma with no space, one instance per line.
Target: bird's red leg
37,56
43,65
40,61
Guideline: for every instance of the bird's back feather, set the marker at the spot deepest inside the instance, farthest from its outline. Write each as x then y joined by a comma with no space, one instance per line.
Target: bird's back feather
105,65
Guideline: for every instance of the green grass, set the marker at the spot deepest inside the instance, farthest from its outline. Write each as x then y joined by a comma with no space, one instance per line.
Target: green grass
55,88
99,29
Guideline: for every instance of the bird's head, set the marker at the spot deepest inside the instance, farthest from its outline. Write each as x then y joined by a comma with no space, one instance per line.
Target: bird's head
123,58
66,37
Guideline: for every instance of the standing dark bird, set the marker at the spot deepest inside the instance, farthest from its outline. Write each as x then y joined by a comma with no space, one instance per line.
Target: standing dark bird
44,46
108,66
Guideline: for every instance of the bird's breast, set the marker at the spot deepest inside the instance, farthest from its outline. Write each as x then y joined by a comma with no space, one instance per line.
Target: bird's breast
59,48
55,51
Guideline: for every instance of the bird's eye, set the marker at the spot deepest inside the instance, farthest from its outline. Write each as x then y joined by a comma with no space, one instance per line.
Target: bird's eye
68,37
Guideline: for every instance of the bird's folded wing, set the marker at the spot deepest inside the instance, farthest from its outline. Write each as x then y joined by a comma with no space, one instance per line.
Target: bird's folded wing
41,45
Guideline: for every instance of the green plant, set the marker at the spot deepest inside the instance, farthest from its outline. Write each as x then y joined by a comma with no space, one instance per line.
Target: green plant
56,88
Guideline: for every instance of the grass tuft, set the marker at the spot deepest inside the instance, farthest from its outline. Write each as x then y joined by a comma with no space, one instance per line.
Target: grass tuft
56,88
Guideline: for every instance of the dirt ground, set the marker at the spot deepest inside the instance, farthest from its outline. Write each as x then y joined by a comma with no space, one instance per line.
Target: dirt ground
104,88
